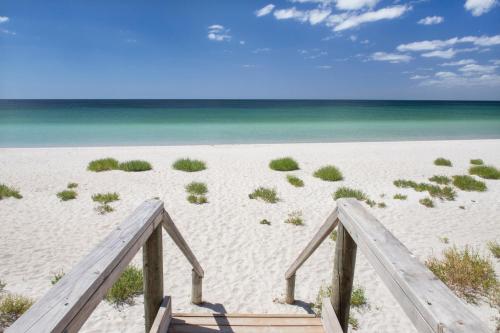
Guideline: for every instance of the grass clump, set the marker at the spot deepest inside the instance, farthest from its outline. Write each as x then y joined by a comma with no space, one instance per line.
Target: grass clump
329,173
284,164
196,188
135,166
333,235
67,195
445,192
265,194
441,180
358,299
9,192
56,277
346,192
485,171
197,199
465,272
442,162
2,285
12,307
468,183
382,205
72,185
295,218
494,248
188,165
104,199
295,181
400,196
427,202
266,222
129,285
103,164
476,161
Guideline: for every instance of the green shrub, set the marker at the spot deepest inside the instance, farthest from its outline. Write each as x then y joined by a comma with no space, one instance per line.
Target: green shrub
381,205
67,195
295,181
465,272
370,202
12,307
56,277
494,248
7,192
477,161
2,285
196,188
72,185
105,198
435,191
188,165
400,196
266,194
468,183
104,208
403,183
444,240
353,321
129,285
329,173
441,180
333,235
346,192
484,171
442,162
266,222
284,164
197,199
295,218
135,166
427,202
104,164
358,298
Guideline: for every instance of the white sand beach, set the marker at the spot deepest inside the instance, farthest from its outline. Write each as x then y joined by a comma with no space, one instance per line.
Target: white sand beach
244,261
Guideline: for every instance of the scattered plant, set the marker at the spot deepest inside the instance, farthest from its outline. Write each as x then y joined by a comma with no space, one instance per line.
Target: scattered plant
72,185
400,196
264,221
370,202
104,199
67,195
57,276
329,173
295,218
333,235
477,161
135,166
444,240
295,181
445,192
494,248
12,307
196,188
104,164
441,180
284,164
442,162
485,171
427,202
381,205
129,285
346,192
265,194
468,183
188,165
7,192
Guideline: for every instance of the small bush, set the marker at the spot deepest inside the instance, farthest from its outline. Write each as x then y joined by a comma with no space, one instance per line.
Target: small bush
403,183
441,180
358,298
400,196
188,165
284,164
197,199
2,285
135,166
443,193
105,208
477,161
56,277
295,181
435,191
484,171
494,248
196,188
442,162
7,192
468,183
370,202
333,235
427,202
12,307
266,222
105,198
104,164
265,194
67,195
381,205
465,272
346,192
353,321
129,285
295,218
444,240
72,185
329,173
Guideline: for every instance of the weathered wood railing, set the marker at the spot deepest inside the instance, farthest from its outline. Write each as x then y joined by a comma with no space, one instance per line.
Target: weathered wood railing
429,304
68,304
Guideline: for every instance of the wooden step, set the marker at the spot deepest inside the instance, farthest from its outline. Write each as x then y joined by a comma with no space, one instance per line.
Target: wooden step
244,323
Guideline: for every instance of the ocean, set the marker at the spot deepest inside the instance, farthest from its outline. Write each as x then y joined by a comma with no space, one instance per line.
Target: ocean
53,123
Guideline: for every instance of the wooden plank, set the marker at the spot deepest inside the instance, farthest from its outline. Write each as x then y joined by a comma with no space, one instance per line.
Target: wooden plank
172,230
246,321
290,290
244,329
196,288
329,318
243,315
163,317
152,263
343,276
70,302
429,304
325,230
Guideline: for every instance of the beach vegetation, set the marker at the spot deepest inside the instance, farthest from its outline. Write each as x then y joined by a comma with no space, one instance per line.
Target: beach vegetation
441,180
444,193
476,161
442,162
12,306
485,171
9,192
129,285
264,221
197,199
370,202
135,166
354,322
284,164
2,286
465,272
494,248
189,165
427,202
196,188
103,164
72,185
295,181
333,235
444,240
346,192
67,195
57,276
295,218
329,173
266,194
468,183
358,298
399,196
104,199
382,205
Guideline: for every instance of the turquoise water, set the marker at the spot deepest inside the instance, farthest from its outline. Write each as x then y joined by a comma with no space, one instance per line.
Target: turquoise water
44,123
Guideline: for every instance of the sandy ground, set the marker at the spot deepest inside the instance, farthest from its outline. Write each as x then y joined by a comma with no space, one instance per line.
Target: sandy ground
244,261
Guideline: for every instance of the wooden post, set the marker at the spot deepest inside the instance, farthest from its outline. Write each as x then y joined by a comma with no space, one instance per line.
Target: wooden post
290,290
153,276
196,288
343,276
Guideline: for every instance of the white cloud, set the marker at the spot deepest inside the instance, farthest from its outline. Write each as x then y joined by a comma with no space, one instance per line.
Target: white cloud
430,20
261,50
265,10
419,77
353,38
324,67
290,13
445,75
460,62
480,7
474,69
393,58
386,13
471,74
312,54
432,45
4,19
242,42
445,54
316,16
355,4
495,62
7,32
218,33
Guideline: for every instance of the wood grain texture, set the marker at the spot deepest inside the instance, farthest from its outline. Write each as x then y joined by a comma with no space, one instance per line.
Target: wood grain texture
152,263
428,302
70,302
196,288
290,290
329,318
163,317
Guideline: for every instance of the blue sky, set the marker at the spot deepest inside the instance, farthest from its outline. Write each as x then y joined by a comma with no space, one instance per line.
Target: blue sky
360,49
